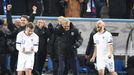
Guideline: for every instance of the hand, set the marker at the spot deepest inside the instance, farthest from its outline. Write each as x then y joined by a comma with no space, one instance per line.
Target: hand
92,59
9,6
23,49
87,57
32,49
109,56
34,9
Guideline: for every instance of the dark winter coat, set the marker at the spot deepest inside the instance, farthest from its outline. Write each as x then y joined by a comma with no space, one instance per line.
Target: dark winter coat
4,47
43,38
68,41
90,46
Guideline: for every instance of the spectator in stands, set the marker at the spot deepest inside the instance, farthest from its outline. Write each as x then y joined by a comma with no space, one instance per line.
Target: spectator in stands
42,31
51,8
99,5
115,9
103,51
27,45
130,8
72,8
88,9
70,39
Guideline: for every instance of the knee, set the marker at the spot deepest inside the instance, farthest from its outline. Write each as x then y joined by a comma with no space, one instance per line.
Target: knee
101,72
28,69
113,73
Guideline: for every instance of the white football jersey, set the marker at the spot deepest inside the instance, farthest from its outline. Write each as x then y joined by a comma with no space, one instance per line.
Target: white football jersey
27,42
101,41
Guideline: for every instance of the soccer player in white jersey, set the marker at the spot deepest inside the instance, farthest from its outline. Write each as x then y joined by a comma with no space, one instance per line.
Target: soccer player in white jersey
103,50
27,44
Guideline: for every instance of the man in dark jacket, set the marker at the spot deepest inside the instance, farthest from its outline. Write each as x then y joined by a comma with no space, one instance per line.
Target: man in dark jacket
42,31
90,46
53,49
70,39
24,19
4,50
13,27
90,50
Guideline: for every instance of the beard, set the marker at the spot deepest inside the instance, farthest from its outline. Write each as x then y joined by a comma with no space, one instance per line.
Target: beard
99,29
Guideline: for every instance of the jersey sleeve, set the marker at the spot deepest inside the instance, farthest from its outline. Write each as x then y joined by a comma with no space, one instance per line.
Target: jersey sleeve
94,40
110,38
36,43
18,42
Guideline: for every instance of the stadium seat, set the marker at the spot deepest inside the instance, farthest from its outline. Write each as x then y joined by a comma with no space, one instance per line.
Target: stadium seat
82,69
50,65
119,67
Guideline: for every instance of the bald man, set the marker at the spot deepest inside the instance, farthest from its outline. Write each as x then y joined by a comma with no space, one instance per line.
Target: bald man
103,50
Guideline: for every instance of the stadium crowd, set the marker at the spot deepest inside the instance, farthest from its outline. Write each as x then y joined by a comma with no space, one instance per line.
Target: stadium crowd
72,8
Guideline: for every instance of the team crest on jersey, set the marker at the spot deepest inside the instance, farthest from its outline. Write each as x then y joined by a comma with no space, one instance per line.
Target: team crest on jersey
23,42
72,33
103,37
31,39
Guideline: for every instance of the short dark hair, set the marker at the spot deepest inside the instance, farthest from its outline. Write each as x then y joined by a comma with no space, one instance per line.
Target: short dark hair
25,16
30,25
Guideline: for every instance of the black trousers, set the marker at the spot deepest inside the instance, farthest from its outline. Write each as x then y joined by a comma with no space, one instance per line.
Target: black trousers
58,65
99,6
55,62
70,63
3,66
130,71
39,63
14,58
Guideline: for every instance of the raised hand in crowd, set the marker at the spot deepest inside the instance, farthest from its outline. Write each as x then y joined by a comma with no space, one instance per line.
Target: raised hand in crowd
9,7
34,9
